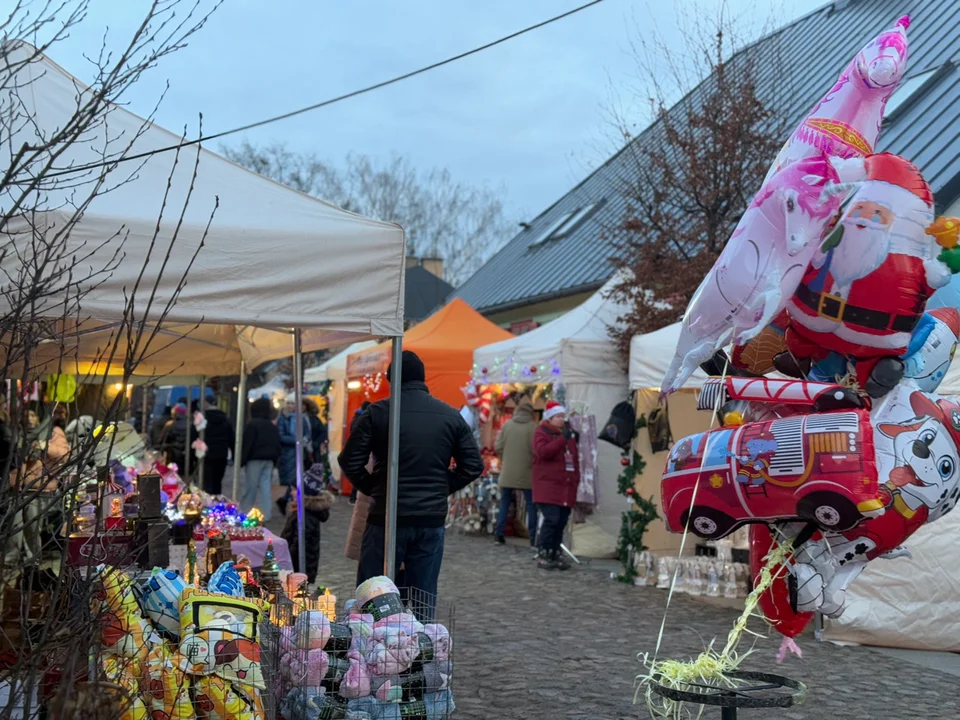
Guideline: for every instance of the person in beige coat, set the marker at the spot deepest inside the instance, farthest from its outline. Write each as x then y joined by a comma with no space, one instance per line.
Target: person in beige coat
514,447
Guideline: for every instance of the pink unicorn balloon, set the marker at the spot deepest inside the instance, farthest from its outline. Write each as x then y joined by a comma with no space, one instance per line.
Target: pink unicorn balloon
846,122
759,269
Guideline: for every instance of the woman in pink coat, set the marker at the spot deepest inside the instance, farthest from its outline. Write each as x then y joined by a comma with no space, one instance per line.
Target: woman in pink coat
556,474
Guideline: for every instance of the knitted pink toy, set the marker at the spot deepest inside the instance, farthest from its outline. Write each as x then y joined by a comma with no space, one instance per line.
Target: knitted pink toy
356,682
440,637
312,630
404,622
391,650
306,668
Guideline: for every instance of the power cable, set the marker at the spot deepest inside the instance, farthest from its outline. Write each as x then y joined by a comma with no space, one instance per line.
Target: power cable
331,101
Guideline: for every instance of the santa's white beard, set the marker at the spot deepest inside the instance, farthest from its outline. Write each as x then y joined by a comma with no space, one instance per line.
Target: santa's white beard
860,252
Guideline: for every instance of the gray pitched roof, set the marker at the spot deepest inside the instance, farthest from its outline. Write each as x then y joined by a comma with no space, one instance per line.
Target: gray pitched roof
812,51
423,293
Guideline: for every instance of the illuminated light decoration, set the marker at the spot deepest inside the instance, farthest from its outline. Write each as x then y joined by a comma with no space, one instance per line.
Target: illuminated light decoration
354,385
372,383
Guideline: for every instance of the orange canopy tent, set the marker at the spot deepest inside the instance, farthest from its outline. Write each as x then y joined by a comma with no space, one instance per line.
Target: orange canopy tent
445,342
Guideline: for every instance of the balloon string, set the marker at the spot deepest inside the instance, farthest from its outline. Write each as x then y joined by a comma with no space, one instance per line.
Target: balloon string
693,500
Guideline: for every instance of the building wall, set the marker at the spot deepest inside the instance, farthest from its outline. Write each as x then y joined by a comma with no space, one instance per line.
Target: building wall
541,313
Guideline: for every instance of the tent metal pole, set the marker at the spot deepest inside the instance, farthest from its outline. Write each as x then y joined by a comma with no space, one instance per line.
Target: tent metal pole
298,434
186,456
238,442
202,408
393,465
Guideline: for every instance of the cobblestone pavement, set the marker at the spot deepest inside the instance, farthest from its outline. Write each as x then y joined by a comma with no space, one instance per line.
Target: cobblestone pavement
533,644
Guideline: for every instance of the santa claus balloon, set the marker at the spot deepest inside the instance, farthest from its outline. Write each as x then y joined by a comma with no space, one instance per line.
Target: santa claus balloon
866,289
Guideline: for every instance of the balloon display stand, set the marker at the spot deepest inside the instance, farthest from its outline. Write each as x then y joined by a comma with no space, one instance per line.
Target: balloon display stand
753,690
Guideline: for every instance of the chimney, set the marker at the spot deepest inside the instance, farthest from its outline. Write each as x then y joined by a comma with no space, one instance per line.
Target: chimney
432,265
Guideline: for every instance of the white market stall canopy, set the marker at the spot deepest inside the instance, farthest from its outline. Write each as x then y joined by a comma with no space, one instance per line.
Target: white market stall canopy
575,347
650,356
335,368
273,258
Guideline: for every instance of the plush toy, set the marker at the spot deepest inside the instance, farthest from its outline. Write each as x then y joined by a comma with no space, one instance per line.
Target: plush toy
356,683
391,650
159,598
306,667
311,630
440,638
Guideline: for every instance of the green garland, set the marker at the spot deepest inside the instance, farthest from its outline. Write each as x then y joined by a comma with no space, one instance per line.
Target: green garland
642,512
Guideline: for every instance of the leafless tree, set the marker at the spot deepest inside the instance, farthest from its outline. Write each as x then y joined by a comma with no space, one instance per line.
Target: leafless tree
50,639
460,223
694,171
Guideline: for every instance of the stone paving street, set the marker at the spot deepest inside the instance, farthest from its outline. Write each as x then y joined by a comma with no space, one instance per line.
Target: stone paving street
532,644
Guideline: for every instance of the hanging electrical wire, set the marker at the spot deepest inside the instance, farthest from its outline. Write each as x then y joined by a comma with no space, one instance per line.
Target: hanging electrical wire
330,101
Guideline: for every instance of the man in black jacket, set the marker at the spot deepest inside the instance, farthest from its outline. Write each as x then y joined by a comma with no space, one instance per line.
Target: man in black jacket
258,456
220,439
431,435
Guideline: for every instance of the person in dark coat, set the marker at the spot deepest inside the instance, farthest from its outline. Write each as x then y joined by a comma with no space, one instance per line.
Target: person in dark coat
220,439
174,441
317,502
431,435
260,452
556,475
156,427
356,416
286,424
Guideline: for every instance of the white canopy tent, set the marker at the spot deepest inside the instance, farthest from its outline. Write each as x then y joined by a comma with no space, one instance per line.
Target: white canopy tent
278,271
577,352
334,369
650,355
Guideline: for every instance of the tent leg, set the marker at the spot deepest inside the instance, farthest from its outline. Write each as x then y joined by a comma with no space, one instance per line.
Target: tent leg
298,433
393,465
238,442
202,407
186,456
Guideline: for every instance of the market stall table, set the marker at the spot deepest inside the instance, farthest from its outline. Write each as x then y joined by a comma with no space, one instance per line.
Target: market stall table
253,549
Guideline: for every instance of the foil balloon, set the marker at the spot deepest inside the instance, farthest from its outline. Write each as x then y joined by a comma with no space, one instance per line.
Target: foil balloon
775,603
843,125
226,580
159,598
864,292
846,122
932,347
760,266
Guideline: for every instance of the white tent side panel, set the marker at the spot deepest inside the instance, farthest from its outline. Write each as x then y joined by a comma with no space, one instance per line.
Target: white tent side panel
594,380
908,602
273,257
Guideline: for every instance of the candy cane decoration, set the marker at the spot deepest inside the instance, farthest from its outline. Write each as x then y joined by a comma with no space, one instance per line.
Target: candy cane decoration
486,400
470,392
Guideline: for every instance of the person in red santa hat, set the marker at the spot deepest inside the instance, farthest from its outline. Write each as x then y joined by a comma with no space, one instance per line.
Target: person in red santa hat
865,292
556,475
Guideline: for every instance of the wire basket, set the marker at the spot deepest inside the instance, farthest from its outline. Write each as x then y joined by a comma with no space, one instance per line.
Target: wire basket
360,665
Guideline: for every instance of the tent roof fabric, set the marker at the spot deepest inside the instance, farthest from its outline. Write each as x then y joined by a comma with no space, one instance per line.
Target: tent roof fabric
273,258
650,356
445,342
335,368
576,347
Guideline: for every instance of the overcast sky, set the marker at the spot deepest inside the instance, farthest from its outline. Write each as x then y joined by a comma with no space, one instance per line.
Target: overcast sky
527,116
